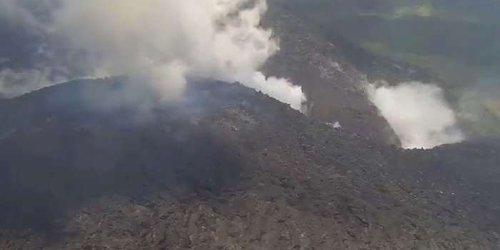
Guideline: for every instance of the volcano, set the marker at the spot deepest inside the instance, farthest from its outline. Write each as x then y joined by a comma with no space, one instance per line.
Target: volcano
114,160
226,167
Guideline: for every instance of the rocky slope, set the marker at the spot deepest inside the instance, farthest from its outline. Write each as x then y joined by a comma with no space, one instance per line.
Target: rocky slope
225,168
333,72
401,40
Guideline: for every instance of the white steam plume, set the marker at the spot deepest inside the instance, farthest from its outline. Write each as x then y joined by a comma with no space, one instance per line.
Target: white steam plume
165,41
418,113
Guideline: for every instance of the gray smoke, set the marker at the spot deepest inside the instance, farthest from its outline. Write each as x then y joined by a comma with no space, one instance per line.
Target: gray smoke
158,41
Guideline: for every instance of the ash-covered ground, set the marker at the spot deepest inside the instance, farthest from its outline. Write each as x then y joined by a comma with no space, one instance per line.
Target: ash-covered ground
136,162
228,168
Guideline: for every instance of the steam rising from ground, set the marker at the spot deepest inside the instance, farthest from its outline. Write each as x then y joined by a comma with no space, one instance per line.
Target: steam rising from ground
158,41
418,113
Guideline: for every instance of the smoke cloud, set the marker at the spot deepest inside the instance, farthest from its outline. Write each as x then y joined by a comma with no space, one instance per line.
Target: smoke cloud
418,113
162,42
17,82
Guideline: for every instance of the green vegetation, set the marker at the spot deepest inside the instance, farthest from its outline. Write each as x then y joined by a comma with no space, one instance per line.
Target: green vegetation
422,10
456,41
440,66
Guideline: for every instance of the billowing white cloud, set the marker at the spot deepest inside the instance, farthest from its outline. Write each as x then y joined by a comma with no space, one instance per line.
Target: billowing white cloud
418,113
168,40
279,88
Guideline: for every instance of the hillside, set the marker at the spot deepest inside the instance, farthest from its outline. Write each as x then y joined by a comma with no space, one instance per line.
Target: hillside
225,168
288,149
451,43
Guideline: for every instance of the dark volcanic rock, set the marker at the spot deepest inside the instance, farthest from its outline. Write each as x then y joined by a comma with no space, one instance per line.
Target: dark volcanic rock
225,167
334,86
464,178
